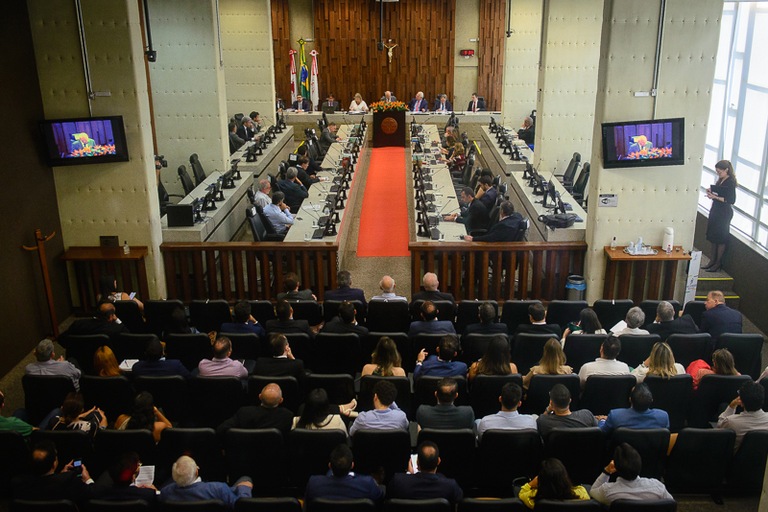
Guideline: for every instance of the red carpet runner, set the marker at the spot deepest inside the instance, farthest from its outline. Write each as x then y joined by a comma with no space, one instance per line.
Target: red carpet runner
384,215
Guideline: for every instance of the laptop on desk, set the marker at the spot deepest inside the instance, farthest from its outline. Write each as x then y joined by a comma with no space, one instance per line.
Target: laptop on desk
329,109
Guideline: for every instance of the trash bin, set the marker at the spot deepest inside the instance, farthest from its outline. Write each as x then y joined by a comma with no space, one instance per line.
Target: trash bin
575,287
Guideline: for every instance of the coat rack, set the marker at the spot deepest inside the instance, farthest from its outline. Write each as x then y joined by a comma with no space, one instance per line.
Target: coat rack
40,248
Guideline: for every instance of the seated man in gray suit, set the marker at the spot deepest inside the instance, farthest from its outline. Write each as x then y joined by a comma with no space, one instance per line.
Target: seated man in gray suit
445,415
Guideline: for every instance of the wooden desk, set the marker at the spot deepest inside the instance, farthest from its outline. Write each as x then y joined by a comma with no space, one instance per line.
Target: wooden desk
649,277
93,262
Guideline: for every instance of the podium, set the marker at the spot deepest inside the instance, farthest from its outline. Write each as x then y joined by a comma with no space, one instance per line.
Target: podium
389,129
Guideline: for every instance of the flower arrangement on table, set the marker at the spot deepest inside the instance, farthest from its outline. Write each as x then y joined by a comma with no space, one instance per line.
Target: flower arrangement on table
394,106
650,154
97,150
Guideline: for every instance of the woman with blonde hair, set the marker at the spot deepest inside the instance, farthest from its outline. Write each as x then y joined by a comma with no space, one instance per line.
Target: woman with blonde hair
552,362
358,105
386,360
495,361
661,362
722,364
105,363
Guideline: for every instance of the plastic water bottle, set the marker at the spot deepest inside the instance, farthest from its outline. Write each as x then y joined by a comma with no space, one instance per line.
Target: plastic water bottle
613,244
126,248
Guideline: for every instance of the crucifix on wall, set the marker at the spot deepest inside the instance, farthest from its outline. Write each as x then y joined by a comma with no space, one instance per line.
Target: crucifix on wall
390,46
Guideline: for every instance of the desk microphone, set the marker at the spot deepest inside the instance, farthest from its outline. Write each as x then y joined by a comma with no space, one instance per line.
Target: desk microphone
311,211
450,212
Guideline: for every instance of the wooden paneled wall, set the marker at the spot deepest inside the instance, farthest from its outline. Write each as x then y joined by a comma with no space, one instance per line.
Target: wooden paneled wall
281,43
346,36
493,19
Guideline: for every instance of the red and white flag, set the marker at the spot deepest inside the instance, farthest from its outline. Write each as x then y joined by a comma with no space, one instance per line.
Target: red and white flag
292,54
313,85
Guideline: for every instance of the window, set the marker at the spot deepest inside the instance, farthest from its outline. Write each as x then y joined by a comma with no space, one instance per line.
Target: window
738,118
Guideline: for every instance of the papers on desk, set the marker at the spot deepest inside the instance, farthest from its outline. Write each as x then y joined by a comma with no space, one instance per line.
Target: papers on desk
127,364
312,207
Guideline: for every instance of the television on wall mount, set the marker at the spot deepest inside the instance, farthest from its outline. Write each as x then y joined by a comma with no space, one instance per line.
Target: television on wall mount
644,143
85,140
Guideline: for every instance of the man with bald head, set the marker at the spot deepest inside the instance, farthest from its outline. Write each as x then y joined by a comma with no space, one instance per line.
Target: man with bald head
430,284
387,285
388,97
105,322
267,415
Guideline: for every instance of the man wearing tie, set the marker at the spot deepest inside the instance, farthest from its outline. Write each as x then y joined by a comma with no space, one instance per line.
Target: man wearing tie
418,104
331,102
300,104
443,105
476,104
388,97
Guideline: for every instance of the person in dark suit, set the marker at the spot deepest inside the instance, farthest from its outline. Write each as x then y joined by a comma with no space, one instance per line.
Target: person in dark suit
723,196
301,104
282,363
527,132
341,483
418,104
476,104
345,290
345,322
244,322
429,324
667,324
122,474
246,130
488,324
430,284
474,215
330,101
328,137
155,364
427,483
295,192
303,151
279,104
486,192
719,318
235,141
45,484
268,414
442,104
285,324
292,291
538,324
105,322
445,415
506,230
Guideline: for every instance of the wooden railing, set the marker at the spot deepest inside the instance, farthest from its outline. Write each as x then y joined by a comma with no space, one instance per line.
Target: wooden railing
246,270
500,271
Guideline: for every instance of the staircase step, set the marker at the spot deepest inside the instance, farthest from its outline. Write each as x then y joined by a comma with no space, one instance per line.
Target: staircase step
709,281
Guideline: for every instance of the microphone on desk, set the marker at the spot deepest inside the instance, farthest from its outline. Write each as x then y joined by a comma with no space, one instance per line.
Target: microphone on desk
311,211
452,211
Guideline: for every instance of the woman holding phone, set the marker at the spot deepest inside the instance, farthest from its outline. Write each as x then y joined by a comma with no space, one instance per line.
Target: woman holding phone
723,195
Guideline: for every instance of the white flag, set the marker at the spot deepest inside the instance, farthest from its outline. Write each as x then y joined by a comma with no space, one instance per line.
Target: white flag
292,54
313,86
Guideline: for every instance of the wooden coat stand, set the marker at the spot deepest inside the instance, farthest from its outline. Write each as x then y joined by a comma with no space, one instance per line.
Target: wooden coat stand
40,248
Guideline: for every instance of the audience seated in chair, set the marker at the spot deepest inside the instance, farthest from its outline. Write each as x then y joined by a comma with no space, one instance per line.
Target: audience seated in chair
559,415
123,472
13,423
345,322
606,364
345,290
495,361
640,415
487,315
187,486
537,316
268,414
385,415
508,418
431,290
552,362
661,362
429,324
317,414
667,324
282,362
145,416
588,324
753,417
387,286
635,319
244,322
552,483
292,292
285,324
624,470
341,483
155,364
385,360
719,318
221,365
722,364
48,364
442,363
445,415
105,322
73,416
427,483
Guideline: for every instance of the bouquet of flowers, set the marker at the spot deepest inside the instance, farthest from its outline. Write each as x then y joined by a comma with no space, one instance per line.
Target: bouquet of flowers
395,106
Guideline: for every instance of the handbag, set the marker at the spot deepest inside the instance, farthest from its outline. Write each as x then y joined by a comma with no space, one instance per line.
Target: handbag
558,220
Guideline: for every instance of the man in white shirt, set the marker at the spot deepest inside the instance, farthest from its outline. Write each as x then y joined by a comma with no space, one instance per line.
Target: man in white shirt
627,485
385,414
753,417
507,418
606,364
279,213
261,197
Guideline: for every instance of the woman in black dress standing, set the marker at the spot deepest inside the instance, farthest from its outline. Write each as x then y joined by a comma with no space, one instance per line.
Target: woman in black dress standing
723,195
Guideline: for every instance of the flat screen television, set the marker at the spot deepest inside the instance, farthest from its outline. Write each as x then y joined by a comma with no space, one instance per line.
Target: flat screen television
644,143
87,140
